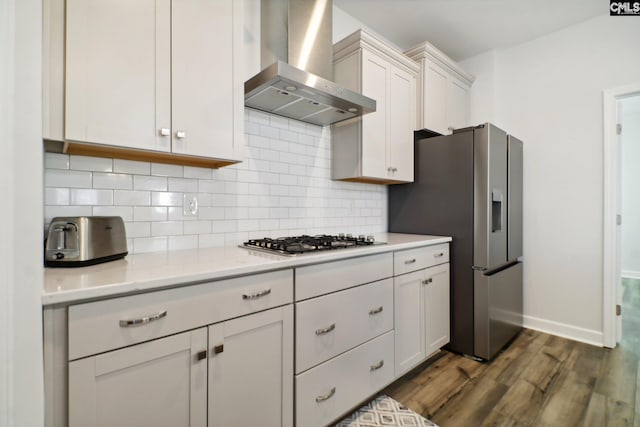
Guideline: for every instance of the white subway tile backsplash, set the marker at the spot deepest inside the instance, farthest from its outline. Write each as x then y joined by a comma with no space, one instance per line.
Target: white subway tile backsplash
54,211
116,181
279,122
67,178
131,198
86,163
150,183
150,213
167,199
283,187
56,161
149,244
197,227
90,197
132,167
160,169
183,184
224,226
197,173
56,196
126,212
183,242
211,240
166,228
138,229
211,213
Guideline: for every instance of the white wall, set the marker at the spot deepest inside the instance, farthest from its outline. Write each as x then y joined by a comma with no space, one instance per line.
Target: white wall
629,112
21,381
283,187
548,92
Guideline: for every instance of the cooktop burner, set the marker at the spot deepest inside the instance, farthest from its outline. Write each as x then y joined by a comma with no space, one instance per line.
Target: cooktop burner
304,244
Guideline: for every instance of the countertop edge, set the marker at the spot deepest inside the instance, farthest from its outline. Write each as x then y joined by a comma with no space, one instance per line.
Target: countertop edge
275,262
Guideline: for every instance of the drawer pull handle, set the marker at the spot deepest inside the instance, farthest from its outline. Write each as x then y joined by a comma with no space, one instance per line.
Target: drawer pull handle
326,396
256,294
438,255
376,366
218,349
427,281
375,311
410,261
201,355
142,320
326,330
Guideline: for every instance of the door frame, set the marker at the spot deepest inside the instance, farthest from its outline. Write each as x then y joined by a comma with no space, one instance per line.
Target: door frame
611,202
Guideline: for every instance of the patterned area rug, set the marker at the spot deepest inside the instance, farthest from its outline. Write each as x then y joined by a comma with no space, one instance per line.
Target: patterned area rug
383,411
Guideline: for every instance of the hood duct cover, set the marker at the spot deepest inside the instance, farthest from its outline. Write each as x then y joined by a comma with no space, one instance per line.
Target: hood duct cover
296,42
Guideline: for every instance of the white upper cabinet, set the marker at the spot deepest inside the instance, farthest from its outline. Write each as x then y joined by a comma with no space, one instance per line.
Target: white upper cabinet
377,147
443,90
160,76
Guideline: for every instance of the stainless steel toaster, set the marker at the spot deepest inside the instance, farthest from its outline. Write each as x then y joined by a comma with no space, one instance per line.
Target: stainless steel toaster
84,240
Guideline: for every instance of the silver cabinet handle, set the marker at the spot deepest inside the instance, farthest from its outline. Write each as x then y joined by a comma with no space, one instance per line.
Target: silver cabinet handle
438,255
326,330
165,132
427,281
256,294
180,134
326,396
375,311
410,261
143,320
376,366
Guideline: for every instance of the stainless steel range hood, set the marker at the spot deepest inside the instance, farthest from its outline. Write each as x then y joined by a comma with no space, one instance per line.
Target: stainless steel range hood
296,44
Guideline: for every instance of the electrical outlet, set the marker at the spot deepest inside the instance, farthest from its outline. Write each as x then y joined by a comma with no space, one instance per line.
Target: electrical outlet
190,205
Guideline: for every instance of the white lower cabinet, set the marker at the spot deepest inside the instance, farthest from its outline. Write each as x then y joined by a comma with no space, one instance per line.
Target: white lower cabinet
421,312
157,383
164,382
251,370
222,353
329,390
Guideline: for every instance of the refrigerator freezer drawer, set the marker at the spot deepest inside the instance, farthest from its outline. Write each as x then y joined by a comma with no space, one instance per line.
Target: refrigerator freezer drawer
497,309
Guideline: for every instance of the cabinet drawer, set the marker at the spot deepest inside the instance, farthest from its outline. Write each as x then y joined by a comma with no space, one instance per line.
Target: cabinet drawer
329,277
328,391
100,326
419,258
331,324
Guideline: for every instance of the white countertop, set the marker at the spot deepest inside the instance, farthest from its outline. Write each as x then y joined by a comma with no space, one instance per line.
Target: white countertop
156,270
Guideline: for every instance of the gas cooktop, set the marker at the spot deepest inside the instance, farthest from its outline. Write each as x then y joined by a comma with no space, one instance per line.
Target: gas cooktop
305,244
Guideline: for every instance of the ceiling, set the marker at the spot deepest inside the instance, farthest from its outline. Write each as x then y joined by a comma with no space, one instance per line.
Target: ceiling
464,28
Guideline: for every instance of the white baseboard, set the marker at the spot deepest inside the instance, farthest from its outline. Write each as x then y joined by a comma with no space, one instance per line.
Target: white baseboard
575,333
631,274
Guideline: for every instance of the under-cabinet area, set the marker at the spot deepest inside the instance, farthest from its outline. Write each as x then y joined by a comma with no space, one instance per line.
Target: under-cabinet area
304,339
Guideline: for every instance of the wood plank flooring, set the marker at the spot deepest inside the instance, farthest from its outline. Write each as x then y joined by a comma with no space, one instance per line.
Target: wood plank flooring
540,380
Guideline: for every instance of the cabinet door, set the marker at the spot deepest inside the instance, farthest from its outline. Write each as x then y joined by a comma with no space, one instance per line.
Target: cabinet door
375,71
251,370
457,104
207,87
434,98
118,88
409,321
400,126
157,383
436,303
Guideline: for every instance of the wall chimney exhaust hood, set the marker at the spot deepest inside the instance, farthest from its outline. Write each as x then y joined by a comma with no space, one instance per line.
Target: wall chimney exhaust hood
296,44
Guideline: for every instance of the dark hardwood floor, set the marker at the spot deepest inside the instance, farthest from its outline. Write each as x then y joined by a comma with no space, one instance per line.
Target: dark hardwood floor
539,380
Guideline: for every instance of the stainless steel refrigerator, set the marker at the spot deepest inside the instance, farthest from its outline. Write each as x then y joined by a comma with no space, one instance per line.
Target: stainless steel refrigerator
468,185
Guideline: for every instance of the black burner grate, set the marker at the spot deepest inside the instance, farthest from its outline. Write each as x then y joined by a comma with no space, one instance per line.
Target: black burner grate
303,244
